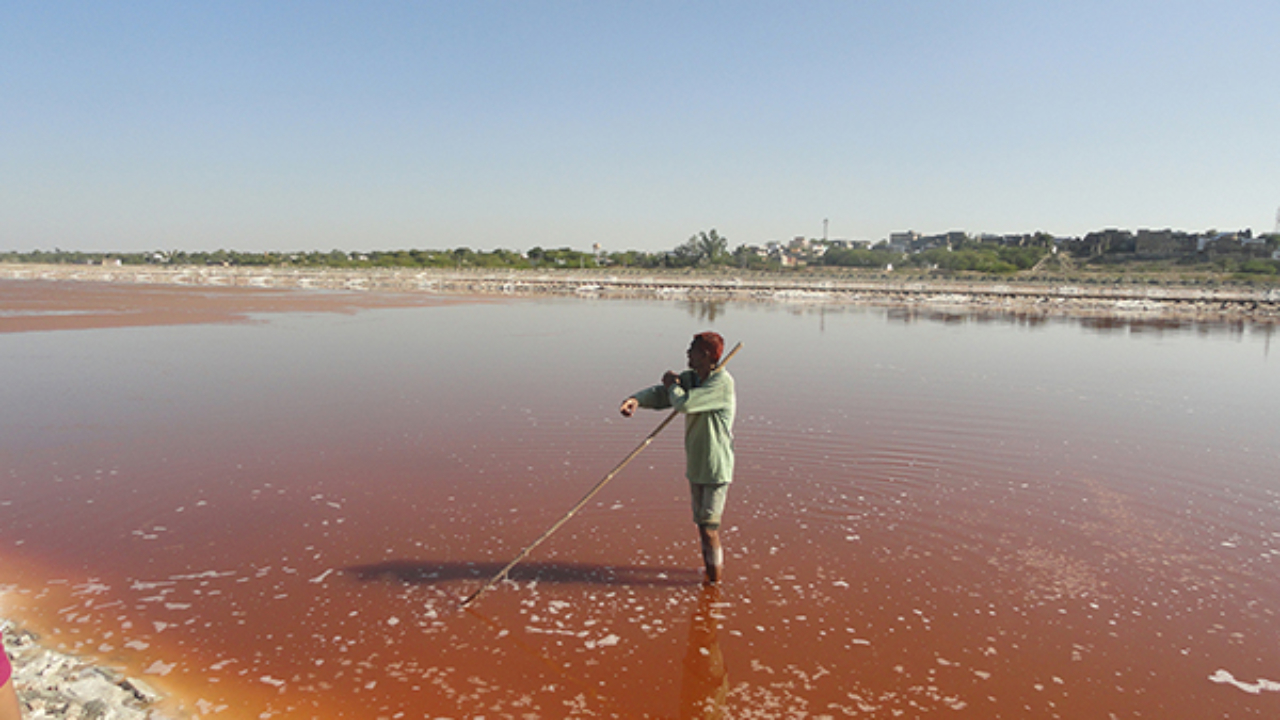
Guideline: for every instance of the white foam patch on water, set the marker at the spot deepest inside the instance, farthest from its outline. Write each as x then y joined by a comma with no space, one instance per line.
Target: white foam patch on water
1222,677
144,585
91,588
208,708
606,641
206,575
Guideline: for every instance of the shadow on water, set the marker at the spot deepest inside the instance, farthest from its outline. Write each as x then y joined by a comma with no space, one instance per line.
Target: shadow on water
417,572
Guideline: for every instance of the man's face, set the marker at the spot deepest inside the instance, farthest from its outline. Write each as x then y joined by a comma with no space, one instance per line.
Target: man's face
698,357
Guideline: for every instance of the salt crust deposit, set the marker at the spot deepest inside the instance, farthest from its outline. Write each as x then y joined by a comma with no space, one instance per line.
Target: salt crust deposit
1223,677
56,685
1030,297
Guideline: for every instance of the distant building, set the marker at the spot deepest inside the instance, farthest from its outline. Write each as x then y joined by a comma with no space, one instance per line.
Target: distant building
948,240
902,241
1228,243
1105,241
1016,240
1162,243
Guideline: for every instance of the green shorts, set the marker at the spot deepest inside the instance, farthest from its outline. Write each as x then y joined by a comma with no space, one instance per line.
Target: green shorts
708,503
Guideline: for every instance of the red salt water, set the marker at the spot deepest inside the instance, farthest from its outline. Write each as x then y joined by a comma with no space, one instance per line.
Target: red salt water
983,517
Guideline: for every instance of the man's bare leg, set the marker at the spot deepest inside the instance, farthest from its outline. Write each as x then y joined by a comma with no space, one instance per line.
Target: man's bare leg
712,553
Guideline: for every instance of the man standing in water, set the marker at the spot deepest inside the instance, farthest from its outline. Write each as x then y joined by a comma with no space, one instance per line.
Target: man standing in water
706,397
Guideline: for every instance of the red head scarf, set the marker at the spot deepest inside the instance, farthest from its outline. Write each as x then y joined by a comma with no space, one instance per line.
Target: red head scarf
712,343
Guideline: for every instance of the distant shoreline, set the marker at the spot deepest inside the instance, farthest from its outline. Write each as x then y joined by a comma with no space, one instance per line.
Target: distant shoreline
1013,296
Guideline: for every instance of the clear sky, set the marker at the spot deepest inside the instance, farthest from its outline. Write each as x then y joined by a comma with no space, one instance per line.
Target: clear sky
316,125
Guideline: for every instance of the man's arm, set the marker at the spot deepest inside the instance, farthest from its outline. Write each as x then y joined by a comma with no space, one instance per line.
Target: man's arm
657,397
715,394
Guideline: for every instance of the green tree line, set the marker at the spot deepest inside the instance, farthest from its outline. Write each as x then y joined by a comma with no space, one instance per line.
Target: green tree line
703,250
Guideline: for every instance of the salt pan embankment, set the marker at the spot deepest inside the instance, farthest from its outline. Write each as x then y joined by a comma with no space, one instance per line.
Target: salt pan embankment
1207,302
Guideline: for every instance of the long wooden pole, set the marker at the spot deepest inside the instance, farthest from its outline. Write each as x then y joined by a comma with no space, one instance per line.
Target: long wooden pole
590,494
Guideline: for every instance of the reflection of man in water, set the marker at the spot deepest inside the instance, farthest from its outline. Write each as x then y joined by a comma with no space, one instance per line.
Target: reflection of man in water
704,686
707,398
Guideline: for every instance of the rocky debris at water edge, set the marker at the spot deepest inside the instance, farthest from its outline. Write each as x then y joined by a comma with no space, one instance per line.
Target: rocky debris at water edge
53,685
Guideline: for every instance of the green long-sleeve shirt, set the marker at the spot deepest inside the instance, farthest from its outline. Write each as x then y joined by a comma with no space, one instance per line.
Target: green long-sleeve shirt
708,424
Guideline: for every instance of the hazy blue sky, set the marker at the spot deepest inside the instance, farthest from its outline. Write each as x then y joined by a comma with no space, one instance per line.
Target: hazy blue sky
320,125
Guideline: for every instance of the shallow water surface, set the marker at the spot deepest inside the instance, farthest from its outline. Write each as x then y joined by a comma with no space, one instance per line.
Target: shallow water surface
979,516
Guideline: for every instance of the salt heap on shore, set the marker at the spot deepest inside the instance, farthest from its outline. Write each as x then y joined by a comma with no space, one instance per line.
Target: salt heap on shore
56,685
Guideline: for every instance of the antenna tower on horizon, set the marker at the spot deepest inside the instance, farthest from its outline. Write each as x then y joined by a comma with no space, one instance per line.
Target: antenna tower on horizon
1277,230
